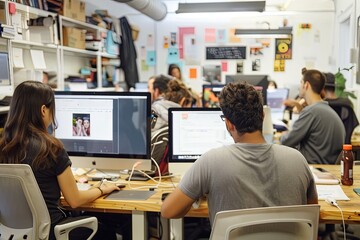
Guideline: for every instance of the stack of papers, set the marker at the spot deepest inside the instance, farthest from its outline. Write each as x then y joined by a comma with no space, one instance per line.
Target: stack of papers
7,31
331,192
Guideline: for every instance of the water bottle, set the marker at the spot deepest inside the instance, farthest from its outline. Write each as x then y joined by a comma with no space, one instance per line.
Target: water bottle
347,163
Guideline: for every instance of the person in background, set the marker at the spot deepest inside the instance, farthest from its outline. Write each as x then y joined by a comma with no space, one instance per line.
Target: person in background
318,133
25,140
176,95
174,70
296,105
272,85
247,174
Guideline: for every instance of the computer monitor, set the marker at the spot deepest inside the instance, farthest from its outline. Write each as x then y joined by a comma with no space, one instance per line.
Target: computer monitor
119,133
260,81
4,69
275,100
194,131
210,96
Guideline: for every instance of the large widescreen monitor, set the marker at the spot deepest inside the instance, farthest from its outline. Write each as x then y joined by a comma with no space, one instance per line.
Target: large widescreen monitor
261,81
105,130
194,131
210,96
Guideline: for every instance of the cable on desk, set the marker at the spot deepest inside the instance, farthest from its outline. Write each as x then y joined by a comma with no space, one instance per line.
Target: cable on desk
342,216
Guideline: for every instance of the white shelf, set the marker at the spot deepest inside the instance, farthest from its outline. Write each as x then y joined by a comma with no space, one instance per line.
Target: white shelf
28,43
87,26
82,52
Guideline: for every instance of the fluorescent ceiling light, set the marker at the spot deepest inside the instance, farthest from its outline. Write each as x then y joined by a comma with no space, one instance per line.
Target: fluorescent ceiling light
264,33
250,6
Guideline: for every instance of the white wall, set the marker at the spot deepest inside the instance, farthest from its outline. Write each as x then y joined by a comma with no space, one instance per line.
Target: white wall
312,48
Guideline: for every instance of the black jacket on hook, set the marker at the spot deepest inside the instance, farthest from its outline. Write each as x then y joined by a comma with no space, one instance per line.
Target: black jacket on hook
128,54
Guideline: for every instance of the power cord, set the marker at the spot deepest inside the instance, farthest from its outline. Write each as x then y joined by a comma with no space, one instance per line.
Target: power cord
335,204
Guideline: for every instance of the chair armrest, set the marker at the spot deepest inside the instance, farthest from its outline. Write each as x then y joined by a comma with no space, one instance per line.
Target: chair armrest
62,229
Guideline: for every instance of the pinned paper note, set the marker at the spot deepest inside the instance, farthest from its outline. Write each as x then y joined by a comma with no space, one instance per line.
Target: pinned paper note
151,58
210,35
18,58
38,59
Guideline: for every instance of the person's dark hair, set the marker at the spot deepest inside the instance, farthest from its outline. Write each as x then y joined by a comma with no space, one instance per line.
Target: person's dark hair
316,80
177,91
242,105
24,130
173,66
273,82
161,83
330,82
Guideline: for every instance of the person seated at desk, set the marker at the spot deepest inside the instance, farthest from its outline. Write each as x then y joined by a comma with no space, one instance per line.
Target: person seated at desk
318,133
247,174
25,140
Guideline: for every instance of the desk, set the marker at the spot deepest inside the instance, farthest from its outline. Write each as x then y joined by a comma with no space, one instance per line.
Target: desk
328,214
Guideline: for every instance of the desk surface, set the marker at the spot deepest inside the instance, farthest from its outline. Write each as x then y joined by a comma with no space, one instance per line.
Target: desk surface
328,214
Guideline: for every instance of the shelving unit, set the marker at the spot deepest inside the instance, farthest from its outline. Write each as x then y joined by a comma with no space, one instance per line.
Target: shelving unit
63,60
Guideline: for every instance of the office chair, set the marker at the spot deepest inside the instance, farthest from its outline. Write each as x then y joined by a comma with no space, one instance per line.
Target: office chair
284,222
159,149
346,112
23,211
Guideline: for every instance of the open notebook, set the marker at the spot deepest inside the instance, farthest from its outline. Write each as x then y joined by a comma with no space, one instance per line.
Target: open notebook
321,176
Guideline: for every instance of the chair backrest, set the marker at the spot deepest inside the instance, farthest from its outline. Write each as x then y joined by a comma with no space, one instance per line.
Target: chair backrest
284,222
346,113
23,210
159,142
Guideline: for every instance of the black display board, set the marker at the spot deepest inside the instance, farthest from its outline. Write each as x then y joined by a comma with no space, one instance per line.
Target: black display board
225,52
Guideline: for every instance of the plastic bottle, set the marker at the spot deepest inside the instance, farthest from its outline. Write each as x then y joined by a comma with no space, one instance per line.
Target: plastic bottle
347,163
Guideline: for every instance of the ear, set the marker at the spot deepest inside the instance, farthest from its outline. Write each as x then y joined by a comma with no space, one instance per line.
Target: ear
43,111
230,127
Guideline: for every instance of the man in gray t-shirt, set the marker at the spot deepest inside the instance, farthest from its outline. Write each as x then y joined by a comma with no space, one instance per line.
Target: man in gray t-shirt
319,133
247,174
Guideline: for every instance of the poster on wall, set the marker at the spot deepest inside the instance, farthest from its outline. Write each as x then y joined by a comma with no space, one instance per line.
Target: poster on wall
283,48
240,67
212,74
256,64
173,55
279,65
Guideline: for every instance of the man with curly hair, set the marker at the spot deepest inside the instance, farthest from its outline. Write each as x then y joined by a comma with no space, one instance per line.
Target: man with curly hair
247,174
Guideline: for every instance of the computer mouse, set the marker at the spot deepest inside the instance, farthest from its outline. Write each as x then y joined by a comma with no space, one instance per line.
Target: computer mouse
121,185
164,195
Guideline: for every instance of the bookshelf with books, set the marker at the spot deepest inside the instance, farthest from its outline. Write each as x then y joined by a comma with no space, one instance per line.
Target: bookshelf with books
39,34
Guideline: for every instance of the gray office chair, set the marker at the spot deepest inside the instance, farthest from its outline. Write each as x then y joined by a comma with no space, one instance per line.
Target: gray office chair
271,223
23,211
159,147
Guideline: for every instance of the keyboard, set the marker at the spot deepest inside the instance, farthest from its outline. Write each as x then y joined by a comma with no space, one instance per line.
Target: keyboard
5,101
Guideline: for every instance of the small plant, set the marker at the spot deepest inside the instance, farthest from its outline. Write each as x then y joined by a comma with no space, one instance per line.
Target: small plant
340,84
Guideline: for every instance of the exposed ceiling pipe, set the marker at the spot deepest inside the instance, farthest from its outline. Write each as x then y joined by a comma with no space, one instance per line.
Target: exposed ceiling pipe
154,9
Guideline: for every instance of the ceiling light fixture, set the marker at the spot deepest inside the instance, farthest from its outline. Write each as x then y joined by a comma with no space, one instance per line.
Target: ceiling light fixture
250,6
264,33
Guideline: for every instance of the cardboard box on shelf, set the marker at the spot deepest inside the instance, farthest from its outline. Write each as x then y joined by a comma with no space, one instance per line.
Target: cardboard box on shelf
74,37
74,9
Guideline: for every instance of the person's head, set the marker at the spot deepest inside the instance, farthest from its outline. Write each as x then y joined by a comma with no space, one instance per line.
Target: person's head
272,84
79,121
177,92
330,82
86,122
242,106
175,71
160,86
151,86
313,81
32,110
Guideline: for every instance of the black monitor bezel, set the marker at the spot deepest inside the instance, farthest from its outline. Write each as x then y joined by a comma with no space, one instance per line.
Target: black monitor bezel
171,134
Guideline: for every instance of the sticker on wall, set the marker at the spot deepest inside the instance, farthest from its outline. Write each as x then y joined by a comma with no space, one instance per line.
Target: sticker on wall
256,51
166,42
173,55
210,35
256,64
151,58
283,48
221,36
143,52
150,41
144,66
279,65
173,41
192,73
224,66
240,67
232,37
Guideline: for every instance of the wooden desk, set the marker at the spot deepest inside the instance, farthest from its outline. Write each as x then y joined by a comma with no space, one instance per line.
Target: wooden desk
328,213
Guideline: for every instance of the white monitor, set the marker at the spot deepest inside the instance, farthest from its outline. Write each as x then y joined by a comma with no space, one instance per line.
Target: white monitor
119,132
194,131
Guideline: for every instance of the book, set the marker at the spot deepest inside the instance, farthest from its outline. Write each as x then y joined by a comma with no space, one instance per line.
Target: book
321,176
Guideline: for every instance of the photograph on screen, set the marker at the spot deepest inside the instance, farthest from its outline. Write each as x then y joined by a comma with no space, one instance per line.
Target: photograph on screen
81,124
212,73
211,95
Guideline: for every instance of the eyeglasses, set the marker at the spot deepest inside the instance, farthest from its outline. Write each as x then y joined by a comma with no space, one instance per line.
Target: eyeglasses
222,117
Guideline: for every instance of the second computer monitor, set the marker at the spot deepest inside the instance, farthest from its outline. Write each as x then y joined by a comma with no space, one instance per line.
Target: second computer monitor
210,95
261,81
194,131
